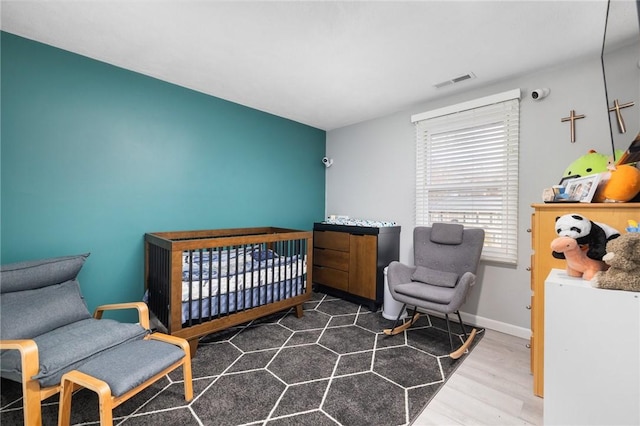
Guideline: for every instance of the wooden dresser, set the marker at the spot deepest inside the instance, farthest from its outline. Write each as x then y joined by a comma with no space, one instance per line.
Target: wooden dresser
349,261
542,233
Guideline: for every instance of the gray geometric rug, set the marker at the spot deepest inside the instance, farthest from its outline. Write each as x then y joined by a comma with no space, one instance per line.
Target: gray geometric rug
333,366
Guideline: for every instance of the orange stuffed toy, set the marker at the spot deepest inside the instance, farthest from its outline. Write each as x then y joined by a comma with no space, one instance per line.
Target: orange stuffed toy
622,185
578,264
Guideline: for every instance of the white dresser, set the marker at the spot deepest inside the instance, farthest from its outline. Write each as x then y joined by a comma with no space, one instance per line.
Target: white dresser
592,353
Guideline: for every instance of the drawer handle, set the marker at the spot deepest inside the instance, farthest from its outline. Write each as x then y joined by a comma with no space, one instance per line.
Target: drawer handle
528,306
528,345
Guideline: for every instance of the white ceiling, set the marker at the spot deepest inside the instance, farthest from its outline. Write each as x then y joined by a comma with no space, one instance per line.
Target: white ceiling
327,64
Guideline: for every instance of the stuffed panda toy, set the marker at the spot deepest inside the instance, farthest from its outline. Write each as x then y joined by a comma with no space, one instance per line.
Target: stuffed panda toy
586,232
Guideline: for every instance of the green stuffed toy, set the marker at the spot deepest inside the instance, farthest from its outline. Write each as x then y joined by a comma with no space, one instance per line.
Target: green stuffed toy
590,164
620,185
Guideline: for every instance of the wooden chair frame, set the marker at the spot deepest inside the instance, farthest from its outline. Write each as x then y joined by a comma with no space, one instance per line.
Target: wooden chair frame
76,379
33,394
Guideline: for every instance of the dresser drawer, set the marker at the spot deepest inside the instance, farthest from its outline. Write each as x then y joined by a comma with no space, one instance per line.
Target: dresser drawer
331,240
331,277
331,258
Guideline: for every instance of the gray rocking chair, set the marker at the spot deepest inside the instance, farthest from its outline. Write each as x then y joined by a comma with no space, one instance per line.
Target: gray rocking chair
446,257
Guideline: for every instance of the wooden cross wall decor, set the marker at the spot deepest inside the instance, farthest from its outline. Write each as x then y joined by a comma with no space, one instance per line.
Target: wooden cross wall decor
572,118
617,107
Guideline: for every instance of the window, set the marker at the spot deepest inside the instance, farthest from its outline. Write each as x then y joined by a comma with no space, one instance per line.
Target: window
467,170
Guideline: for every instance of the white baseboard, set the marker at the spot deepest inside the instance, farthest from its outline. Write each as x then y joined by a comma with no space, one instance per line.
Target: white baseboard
502,327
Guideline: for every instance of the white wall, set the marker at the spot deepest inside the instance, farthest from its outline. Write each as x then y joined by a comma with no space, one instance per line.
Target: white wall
374,165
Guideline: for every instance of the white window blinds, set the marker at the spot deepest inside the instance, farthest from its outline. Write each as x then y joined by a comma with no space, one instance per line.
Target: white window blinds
467,171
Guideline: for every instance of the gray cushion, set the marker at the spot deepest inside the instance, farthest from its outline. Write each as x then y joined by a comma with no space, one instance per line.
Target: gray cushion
30,313
416,290
458,258
66,348
128,365
433,277
447,233
40,273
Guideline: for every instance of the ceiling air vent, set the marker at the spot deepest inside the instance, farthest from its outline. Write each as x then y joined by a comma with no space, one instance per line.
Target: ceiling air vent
464,77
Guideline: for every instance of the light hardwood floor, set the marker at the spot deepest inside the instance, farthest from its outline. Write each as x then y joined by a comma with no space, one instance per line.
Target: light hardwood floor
493,386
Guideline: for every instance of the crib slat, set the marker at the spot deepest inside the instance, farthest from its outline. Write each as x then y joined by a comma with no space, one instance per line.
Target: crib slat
219,289
209,283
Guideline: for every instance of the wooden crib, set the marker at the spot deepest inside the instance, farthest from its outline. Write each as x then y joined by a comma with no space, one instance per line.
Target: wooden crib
200,282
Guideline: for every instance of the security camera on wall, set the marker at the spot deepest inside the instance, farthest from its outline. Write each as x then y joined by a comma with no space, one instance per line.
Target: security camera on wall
538,94
327,161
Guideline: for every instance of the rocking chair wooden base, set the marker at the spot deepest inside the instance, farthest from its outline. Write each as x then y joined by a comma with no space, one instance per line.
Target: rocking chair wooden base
455,354
403,327
462,349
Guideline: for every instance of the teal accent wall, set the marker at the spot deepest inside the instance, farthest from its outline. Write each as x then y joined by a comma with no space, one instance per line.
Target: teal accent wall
94,156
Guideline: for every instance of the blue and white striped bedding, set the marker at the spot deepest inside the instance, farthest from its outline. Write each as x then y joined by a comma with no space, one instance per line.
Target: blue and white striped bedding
234,278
